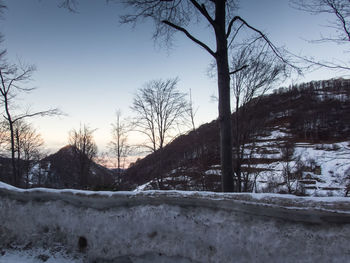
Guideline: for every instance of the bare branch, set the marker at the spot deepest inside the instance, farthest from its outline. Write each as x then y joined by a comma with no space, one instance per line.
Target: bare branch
202,9
340,9
271,45
229,28
71,5
239,69
51,112
314,64
235,34
211,52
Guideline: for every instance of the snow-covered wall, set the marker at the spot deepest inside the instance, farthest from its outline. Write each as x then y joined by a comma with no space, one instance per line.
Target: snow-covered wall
177,226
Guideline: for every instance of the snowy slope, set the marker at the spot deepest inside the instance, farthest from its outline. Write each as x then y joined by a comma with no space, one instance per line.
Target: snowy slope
325,171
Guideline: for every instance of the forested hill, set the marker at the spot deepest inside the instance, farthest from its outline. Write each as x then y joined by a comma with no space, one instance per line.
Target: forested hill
307,117
62,169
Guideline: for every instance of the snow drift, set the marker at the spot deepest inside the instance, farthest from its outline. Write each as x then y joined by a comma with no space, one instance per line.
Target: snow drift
176,226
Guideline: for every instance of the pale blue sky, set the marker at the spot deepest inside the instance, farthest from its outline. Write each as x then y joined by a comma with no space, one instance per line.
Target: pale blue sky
88,65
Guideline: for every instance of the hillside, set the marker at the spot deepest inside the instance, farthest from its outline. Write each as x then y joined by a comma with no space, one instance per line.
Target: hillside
311,121
61,170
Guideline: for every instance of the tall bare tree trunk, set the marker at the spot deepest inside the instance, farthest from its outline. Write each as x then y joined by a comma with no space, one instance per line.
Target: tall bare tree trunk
238,147
18,150
224,98
12,134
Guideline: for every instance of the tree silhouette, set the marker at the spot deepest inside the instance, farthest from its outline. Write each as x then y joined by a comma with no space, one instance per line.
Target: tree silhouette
13,80
84,151
159,108
170,16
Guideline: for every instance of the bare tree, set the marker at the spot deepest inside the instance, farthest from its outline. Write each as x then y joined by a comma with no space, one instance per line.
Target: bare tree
28,145
118,145
251,172
174,16
13,80
84,150
191,111
340,10
159,108
4,138
287,156
260,69
170,16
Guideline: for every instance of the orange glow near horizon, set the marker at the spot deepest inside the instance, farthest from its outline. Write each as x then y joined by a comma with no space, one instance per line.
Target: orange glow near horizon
111,162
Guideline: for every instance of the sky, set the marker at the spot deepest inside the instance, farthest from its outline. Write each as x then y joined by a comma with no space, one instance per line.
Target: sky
89,65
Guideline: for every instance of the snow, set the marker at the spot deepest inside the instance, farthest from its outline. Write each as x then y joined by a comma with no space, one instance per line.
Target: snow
8,187
252,198
333,160
170,226
213,172
36,256
326,95
142,187
50,190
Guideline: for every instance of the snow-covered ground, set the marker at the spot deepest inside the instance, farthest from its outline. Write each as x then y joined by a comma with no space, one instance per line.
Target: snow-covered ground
326,168
170,226
36,256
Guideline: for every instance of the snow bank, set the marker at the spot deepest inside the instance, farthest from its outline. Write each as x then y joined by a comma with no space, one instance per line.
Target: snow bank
36,256
176,226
